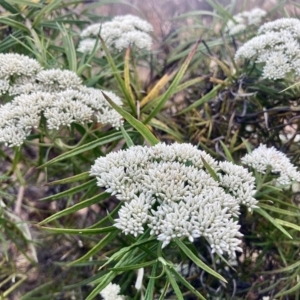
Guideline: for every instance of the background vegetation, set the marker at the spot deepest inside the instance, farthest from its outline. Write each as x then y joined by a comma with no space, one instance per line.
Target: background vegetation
57,240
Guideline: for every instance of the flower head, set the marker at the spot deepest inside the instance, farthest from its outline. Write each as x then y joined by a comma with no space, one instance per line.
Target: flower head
167,188
244,19
59,109
263,159
276,46
118,34
13,65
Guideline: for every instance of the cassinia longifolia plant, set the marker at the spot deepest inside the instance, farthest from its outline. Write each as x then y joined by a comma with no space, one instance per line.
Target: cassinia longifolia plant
56,94
168,188
118,34
276,47
245,19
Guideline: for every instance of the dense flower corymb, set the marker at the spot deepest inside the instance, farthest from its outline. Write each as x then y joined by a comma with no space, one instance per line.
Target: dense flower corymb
244,19
276,46
118,34
167,188
59,109
263,159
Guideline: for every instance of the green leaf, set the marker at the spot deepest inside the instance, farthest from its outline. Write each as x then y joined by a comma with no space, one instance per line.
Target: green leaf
197,261
71,179
76,207
288,224
279,210
186,283
118,77
100,245
273,221
173,86
295,288
127,138
71,191
14,24
80,231
127,77
139,126
227,152
134,267
213,93
150,287
86,147
46,10
289,268
209,169
70,50
174,284
9,8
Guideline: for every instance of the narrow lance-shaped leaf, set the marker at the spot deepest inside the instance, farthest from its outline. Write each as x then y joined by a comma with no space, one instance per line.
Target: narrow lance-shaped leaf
197,260
139,126
202,100
227,152
46,10
127,77
70,50
157,88
76,207
117,76
80,231
71,191
100,245
174,84
209,169
289,291
74,178
273,221
127,138
174,284
288,224
183,281
150,287
86,147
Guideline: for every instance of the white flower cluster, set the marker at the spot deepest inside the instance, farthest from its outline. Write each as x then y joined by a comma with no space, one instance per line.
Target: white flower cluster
277,47
53,80
56,94
16,67
118,34
60,109
167,188
111,292
265,159
244,19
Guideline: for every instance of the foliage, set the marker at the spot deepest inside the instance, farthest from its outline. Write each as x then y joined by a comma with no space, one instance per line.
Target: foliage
61,221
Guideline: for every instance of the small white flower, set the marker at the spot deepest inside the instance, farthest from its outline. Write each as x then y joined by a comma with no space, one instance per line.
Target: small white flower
4,86
88,45
111,292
